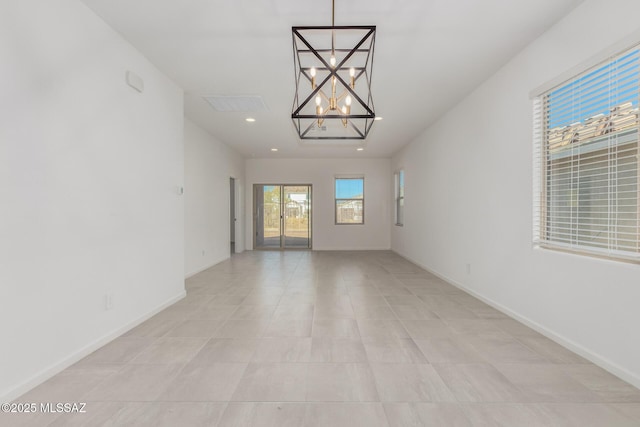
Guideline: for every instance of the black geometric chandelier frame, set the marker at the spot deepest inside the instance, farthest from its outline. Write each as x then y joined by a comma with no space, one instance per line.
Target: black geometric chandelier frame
333,68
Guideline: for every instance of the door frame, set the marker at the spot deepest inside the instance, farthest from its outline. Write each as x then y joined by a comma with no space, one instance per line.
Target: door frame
282,219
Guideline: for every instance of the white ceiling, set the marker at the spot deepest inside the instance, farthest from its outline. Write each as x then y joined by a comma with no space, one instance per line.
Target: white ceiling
429,55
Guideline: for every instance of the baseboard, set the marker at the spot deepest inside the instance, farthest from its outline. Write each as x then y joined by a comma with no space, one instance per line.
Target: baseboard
595,358
60,366
207,266
342,248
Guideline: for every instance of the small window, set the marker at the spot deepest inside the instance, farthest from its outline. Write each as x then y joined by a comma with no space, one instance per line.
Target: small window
349,200
399,191
586,151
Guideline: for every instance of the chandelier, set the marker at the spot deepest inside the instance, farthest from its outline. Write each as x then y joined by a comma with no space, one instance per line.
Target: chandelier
333,67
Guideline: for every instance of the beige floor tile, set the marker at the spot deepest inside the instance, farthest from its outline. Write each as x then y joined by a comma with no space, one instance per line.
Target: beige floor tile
476,327
289,328
545,383
230,350
293,312
242,328
27,419
368,300
306,298
194,300
497,349
335,310
406,300
551,351
338,350
196,328
427,329
282,350
413,312
261,414
352,338
72,384
392,350
254,311
449,349
240,290
204,383
345,415
120,350
410,383
170,350
507,415
394,291
335,328
157,326
272,382
584,415
478,382
426,414
488,313
213,312
364,311
96,414
515,328
341,382
135,383
608,387
222,299
382,328
631,410
152,414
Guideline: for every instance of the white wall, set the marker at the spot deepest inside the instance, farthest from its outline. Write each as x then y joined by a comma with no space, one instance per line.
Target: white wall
469,200
320,173
208,165
89,171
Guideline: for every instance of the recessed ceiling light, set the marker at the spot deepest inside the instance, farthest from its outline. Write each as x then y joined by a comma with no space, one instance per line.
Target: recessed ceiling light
360,149
378,118
274,149
250,119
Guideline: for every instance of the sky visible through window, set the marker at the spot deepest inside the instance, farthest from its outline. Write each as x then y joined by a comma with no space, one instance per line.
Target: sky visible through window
349,188
596,92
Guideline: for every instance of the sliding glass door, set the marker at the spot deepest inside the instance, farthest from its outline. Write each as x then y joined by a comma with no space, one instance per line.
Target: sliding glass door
282,216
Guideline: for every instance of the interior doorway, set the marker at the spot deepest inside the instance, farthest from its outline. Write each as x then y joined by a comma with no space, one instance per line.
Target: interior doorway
282,216
232,215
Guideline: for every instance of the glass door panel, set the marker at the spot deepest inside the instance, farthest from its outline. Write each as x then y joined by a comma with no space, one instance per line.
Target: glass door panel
296,200
267,216
282,216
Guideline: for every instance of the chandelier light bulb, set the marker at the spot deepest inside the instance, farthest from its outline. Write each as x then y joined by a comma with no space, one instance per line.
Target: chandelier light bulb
352,72
318,100
347,100
332,60
312,71
344,109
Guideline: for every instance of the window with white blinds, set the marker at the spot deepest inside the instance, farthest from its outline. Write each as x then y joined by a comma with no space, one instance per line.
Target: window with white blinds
586,161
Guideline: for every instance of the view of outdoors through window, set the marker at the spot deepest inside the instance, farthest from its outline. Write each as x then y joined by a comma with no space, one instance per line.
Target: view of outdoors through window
591,159
349,200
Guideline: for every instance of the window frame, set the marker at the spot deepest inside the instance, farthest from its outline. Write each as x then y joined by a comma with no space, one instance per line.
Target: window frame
337,200
399,190
546,163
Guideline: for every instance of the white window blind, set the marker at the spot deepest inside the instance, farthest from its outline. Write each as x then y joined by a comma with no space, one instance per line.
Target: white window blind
586,161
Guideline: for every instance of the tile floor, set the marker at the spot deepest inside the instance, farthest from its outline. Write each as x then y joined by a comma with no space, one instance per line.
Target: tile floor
332,339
